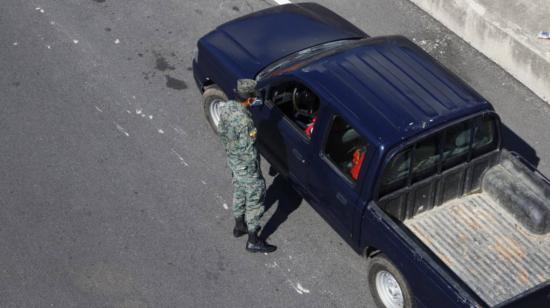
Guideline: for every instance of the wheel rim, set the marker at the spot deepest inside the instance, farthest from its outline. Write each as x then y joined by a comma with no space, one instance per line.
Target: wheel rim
215,111
388,289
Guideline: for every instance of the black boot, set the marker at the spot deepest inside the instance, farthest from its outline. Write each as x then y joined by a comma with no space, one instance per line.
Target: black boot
255,244
240,227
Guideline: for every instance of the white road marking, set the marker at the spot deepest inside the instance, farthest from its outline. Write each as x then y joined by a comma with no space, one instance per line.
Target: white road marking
75,41
139,111
121,129
150,117
203,182
225,206
299,288
117,41
180,158
161,131
180,130
98,109
282,1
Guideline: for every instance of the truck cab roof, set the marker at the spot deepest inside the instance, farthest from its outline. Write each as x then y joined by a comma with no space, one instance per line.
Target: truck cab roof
390,89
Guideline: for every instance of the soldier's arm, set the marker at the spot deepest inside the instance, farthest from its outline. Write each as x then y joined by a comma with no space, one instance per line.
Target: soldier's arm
246,132
251,129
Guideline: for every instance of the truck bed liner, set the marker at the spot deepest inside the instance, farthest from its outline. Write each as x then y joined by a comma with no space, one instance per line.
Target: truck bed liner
485,246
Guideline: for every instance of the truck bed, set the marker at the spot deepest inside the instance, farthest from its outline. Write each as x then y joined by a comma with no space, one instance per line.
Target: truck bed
485,246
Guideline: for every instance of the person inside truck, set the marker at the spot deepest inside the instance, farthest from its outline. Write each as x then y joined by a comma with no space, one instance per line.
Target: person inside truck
346,148
298,104
306,105
356,150
357,161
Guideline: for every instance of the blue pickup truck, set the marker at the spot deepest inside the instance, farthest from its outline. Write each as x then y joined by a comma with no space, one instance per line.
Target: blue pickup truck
400,156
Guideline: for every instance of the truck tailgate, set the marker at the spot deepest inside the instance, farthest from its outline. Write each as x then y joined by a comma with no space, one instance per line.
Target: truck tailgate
485,246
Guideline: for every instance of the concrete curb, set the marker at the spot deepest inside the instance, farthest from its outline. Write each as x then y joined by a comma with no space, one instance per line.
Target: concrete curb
509,43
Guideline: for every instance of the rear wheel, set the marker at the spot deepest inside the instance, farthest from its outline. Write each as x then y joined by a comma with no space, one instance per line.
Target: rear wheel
212,99
387,286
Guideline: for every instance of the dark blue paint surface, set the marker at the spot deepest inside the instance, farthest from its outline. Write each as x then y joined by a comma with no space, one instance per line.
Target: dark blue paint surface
390,89
387,88
256,40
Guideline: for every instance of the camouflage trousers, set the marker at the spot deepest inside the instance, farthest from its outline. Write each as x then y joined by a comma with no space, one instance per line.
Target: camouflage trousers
248,195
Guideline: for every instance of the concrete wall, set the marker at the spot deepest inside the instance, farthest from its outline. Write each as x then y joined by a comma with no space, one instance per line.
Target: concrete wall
510,42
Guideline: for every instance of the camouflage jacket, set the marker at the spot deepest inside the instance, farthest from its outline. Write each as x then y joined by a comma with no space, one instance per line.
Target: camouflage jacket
238,135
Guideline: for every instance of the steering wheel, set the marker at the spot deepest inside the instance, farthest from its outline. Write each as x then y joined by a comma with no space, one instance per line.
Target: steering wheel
303,102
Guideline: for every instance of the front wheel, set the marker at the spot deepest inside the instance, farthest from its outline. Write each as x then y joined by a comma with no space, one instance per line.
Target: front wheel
212,99
387,286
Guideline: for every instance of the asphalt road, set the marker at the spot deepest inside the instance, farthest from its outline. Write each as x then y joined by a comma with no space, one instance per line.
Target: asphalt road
113,190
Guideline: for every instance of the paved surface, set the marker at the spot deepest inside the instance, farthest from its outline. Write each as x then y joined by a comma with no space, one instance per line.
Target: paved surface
506,31
114,191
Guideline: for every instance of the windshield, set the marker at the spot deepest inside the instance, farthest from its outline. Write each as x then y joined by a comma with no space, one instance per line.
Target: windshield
296,59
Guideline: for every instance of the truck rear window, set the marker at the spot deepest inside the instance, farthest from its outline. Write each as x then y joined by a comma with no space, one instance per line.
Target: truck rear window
484,136
426,158
436,153
456,144
397,172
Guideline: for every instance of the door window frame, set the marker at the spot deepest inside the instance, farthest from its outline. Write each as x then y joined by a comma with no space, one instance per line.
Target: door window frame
331,117
269,90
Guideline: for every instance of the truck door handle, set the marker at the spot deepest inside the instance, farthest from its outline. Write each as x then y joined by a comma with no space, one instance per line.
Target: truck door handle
298,156
341,198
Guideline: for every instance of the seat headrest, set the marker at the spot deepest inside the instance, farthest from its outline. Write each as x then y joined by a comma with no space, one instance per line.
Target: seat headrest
462,139
349,136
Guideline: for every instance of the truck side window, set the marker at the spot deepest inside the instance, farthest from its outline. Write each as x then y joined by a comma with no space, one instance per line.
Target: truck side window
299,105
397,172
426,158
484,136
448,149
345,149
456,144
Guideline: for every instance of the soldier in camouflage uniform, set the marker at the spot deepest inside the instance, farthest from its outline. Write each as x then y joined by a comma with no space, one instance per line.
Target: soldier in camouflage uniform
238,135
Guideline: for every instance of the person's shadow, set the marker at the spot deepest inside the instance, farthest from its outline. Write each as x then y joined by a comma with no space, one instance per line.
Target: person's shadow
288,201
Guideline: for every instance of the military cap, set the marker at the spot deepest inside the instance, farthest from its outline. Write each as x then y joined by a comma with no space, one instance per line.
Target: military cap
246,87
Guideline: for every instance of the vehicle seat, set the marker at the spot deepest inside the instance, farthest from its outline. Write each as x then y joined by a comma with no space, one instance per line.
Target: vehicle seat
349,140
462,141
425,155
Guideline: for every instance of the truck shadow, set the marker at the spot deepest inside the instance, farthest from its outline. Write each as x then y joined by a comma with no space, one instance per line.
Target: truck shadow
288,201
515,143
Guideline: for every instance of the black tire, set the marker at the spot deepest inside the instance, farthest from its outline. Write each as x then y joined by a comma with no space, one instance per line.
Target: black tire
212,95
381,265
